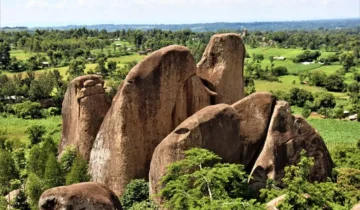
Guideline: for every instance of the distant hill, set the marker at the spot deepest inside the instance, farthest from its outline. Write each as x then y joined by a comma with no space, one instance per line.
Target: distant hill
262,26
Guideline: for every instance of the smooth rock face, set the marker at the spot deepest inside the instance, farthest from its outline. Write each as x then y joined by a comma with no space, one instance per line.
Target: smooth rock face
286,138
255,113
356,207
158,94
84,108
215,128
222,66
89,196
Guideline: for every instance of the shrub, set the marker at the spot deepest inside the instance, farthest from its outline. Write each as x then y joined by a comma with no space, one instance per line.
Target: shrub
298,97
317,78
28,109
36,133
335,82
78,172
67,158
280,71
136,191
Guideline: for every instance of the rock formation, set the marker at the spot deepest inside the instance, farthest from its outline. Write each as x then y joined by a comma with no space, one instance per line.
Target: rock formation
89,196
158,94
287,136
221,67
84,108
255,113
257,131
215,128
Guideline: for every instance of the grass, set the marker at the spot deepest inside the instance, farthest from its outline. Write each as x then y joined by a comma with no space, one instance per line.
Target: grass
16,127
336,132
21,54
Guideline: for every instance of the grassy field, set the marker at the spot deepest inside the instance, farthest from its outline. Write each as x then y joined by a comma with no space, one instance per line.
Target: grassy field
16,127
21,54
337,133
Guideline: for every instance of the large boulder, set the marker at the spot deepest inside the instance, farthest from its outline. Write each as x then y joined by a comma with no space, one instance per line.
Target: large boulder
221,67
84,108
158,94
287,136
215,128
89,196
255,113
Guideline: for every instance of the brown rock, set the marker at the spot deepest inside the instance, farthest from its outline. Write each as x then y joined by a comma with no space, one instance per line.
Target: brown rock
222,66
83,111
356,207
90,196
89,83
255,112
274,203
159,93
215,128
287,137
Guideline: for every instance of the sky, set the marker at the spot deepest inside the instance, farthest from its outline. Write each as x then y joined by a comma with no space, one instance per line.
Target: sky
89,12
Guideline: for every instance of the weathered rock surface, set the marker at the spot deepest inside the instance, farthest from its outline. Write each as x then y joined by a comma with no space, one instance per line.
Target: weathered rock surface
215,128
158,94
84,108
356,207
222,66
286,138
255,113
89,196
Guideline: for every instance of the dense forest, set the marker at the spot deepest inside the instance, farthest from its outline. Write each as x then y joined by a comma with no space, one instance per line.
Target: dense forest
37,65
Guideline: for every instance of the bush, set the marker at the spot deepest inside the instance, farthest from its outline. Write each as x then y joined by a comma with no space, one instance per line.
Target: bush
34,187
136,191
317,78
307,56
67,158
36,133
298,97
78,172
280,71
28,109
325,100
335,82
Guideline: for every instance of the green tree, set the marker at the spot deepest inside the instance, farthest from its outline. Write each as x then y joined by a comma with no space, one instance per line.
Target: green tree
20,202
135,192
325,100
4,55
76,67
53,175
101,66
36,161
111,66
34,187
7,171
36,133
78,172
199,180
301,194
299,96
335,82
347,60
67,158
317,78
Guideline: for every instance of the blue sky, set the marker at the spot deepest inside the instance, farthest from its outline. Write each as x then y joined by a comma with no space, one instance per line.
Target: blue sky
64,12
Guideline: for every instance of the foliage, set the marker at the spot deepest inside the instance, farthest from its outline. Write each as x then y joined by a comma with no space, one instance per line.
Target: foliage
325,100
335,82
34,187
317,78
67,158
20,201
36,133
300,194
347,157
36,160
280,71
78,172
298,97
144,205
7,171
28,109
53,175
76,67
135,192
307,56
199,180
